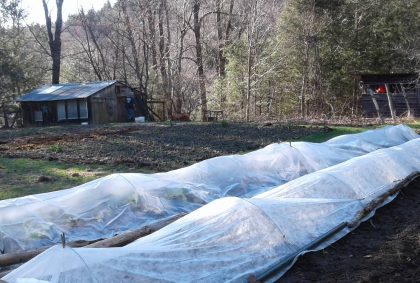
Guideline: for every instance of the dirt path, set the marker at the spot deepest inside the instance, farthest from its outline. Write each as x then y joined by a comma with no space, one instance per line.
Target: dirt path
385,249
155,146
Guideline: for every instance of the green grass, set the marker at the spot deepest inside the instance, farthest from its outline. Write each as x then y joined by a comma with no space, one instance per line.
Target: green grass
335,131
338,130
415,125
56,148
19,177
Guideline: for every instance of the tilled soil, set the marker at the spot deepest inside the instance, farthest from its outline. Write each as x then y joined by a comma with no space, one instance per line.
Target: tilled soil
384,249
153,146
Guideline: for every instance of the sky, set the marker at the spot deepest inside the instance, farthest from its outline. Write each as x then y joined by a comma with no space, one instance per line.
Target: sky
35,10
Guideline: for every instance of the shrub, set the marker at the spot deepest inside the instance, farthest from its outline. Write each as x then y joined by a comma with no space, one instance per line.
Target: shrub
56,148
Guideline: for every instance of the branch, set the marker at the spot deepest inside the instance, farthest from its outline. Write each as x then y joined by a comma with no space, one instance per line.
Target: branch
39,42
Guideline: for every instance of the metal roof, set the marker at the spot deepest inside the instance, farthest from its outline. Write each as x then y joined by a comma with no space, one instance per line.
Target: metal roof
65,91
388,78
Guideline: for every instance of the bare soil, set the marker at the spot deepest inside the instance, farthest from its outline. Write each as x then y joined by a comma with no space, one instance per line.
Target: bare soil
157,147
384,249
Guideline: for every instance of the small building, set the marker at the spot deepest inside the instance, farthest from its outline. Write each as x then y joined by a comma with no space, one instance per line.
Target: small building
93,102
404,90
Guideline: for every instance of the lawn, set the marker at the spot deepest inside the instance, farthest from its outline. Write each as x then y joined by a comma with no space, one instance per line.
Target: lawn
415,125
333,132
341,130
21,176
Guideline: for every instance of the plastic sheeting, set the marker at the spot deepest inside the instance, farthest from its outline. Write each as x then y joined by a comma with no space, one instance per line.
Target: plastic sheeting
122,202
231,238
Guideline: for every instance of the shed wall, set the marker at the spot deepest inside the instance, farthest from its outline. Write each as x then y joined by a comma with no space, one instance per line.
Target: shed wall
399,104
104,106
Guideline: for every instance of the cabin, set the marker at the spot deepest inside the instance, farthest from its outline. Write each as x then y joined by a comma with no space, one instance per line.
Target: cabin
404,90
92,102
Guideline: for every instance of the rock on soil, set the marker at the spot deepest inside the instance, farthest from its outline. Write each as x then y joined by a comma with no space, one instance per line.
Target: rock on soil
43,179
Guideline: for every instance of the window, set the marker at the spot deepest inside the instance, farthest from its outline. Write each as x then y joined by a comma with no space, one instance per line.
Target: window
83,110
61,110
72,109
38,116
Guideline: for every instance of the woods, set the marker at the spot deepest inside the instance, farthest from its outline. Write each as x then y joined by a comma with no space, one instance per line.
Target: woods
255,60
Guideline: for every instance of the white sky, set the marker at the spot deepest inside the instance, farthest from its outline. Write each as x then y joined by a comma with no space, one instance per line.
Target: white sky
35,10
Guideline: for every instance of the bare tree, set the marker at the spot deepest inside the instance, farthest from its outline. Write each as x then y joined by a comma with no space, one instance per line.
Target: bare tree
163,54
199,57
223,35
390,103
375,102
404,94
182,27
54,40
141,94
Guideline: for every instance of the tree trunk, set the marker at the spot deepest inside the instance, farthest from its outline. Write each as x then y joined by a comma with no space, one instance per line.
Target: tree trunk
303,87
177,85
375,103
199,59
152,31
222,37
409,115
6,120
54,41
169,82
250,40
162,63
390,103
248,82
140,95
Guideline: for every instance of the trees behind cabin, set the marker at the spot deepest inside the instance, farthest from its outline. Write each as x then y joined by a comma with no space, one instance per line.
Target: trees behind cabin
255,60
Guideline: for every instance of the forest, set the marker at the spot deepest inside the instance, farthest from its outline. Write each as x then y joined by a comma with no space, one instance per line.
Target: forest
255,60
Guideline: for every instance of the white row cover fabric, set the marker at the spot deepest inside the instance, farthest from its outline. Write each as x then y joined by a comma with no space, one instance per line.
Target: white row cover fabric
122,202
231,238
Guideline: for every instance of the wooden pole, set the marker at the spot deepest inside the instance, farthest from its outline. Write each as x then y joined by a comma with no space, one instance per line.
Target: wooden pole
23,256
117,241
390,103
375,103
126,238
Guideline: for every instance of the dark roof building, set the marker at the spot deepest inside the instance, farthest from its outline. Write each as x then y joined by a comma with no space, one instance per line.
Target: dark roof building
403,89
93,102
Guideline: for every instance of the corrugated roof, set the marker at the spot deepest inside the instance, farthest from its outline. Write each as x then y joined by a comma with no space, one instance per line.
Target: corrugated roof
388,78
65,91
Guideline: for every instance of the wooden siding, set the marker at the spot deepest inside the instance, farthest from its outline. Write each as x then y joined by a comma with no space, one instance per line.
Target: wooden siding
104,106
399,104
108,105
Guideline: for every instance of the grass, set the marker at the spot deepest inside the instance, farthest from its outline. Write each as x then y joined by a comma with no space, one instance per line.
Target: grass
56,148
339,130
415,125
20,176
335,131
